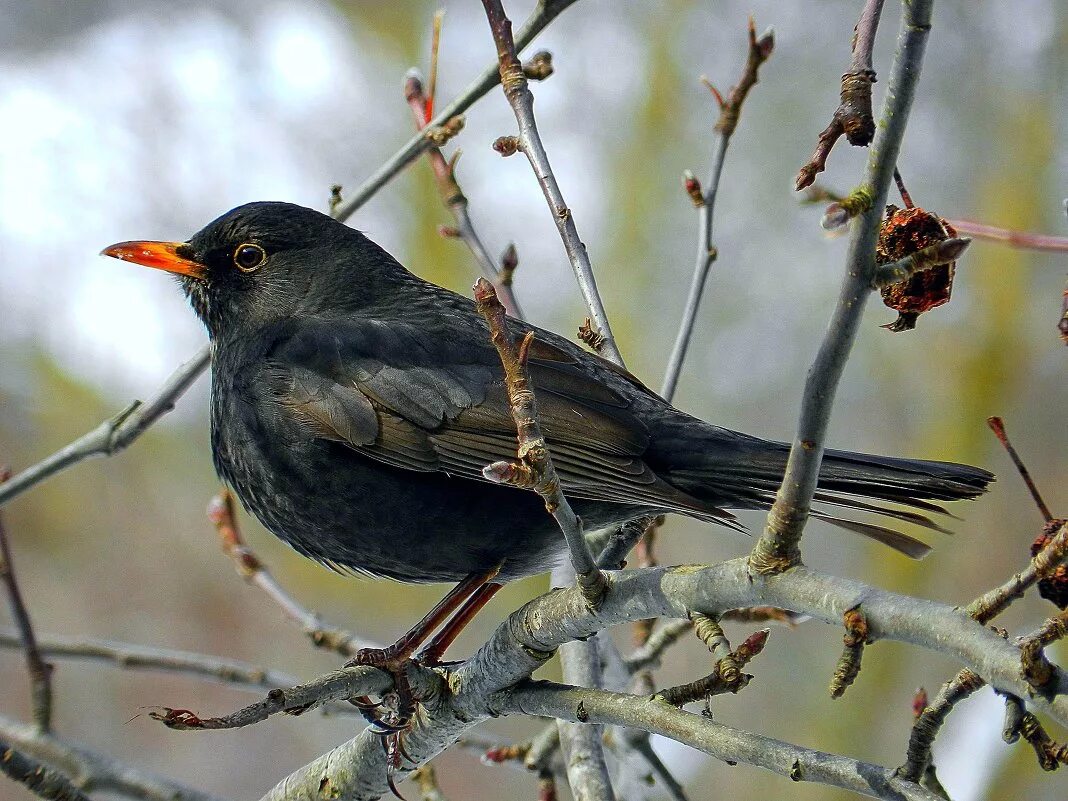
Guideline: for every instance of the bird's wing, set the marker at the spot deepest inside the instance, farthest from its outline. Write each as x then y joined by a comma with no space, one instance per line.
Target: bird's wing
436,403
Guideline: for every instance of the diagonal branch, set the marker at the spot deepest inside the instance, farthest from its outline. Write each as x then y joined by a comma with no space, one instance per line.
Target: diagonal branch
779,546
534,470
39,670
853,117
514,82
729,112
358,770
722,742
455,200
37,778
91,772
544,13
113,435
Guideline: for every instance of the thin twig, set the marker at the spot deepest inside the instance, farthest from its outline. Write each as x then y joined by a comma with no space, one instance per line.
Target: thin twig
729,111
650,654
222,513
726,676
544,13
931,719
91,772
997,425
719,741
853,117
455,200
514,82
140,657
534,470
39,670
115,434
639,741
939,254
991,604
340,685
39,779
779,546
1025,240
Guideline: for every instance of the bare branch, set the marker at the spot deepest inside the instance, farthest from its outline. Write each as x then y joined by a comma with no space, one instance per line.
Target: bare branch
940,253
37,778
534,470
853,117
779,546
455,200
115,434
729,113
358,769
341,685
222,513
91,772
544,13
39,670
514,82
997,425
717,740
931,719
986,607
141,657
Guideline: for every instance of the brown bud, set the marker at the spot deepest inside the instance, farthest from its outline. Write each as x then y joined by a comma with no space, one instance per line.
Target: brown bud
693,189
540,66
506,145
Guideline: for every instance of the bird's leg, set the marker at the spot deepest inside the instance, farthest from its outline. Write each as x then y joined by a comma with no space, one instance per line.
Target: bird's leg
435,649
393,656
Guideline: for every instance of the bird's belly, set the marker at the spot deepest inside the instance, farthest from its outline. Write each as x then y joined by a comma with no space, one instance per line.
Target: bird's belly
345,509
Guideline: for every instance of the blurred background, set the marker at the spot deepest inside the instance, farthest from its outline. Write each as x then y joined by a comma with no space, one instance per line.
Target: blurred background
145,120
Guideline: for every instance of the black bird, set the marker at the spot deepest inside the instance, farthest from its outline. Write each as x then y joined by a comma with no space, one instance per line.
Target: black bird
354,406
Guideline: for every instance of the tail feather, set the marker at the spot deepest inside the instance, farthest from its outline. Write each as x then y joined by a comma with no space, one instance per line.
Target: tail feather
734,471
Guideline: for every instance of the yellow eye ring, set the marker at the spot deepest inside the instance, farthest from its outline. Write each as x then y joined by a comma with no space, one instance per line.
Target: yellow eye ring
249,257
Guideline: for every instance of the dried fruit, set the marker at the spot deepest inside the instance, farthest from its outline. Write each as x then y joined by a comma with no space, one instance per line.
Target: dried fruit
903,232
1054,587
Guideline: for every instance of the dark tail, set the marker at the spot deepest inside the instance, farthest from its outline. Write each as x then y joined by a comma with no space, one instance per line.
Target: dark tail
735,471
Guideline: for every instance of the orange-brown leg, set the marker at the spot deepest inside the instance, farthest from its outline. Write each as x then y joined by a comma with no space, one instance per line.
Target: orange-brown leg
431,655
396,654
394,657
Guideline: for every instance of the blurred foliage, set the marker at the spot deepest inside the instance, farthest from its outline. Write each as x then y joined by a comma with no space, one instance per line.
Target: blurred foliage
120,548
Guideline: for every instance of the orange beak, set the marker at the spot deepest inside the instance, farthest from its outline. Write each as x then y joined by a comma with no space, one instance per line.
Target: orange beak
159,255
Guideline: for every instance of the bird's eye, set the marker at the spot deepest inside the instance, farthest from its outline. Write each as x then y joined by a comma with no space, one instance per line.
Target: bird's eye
248,257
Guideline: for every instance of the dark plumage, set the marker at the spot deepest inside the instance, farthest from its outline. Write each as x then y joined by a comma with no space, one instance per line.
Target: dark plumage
355,405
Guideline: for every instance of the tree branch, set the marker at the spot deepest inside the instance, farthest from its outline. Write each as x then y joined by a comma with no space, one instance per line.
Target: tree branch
544,13
357,769
853,117
341,685
37,778
779,545
39,670
222,513
729,112
115,434
91,772
514,82
141,657
720,741
455,200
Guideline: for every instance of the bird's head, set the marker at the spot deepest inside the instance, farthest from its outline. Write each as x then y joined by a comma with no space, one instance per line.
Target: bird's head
262,262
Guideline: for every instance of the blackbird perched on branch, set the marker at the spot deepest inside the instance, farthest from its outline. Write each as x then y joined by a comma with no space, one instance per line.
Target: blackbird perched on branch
354,406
